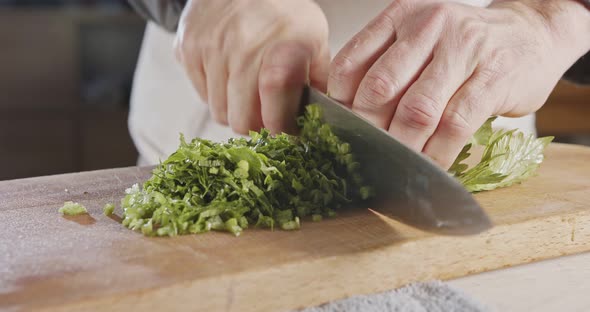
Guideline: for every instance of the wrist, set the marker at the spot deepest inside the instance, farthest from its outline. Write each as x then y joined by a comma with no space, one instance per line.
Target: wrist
568,22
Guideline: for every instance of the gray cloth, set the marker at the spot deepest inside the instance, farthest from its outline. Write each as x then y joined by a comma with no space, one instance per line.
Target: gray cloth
432,296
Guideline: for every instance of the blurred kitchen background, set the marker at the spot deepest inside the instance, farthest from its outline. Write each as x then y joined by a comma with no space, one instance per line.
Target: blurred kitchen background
66,69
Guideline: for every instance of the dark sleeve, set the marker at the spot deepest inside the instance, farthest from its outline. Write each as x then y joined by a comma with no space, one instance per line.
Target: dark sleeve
165,13
580,71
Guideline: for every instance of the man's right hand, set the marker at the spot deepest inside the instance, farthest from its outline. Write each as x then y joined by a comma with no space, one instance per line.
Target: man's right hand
249,59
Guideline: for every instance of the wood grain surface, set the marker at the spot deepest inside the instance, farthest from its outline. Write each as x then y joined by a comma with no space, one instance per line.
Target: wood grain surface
92,263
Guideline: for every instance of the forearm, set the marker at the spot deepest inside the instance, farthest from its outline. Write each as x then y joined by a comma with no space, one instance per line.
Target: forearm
165,13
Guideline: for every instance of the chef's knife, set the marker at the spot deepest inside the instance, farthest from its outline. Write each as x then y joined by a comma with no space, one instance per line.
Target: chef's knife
409,187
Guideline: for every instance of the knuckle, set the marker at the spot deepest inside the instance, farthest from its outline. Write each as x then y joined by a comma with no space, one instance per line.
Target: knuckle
280,69
440,12
185,49
280,53
383,22
237,33
177,46
402,6
486,77
473,32
488,74
456,123
434,18
275,77
497,60
341,68
421,112
185,44
378,88
181,48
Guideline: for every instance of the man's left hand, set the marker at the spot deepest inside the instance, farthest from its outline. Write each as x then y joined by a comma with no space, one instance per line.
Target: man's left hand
431,72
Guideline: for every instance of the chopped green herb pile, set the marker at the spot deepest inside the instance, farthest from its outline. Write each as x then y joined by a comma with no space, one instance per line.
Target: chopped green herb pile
72,209
509,157
274,181
264,181
108,209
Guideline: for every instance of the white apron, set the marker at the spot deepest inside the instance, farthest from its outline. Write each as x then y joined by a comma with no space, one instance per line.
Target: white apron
164,103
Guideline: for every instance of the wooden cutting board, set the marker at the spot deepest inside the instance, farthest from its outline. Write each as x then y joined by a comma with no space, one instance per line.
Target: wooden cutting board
93,263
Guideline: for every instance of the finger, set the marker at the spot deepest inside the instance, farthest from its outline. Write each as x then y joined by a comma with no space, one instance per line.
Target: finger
420,109
384,84
192,62
356,57
283,73
466,112
319,69
243,100
216,77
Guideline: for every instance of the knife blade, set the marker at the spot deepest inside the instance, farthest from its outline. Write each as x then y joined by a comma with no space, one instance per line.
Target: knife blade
409,187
